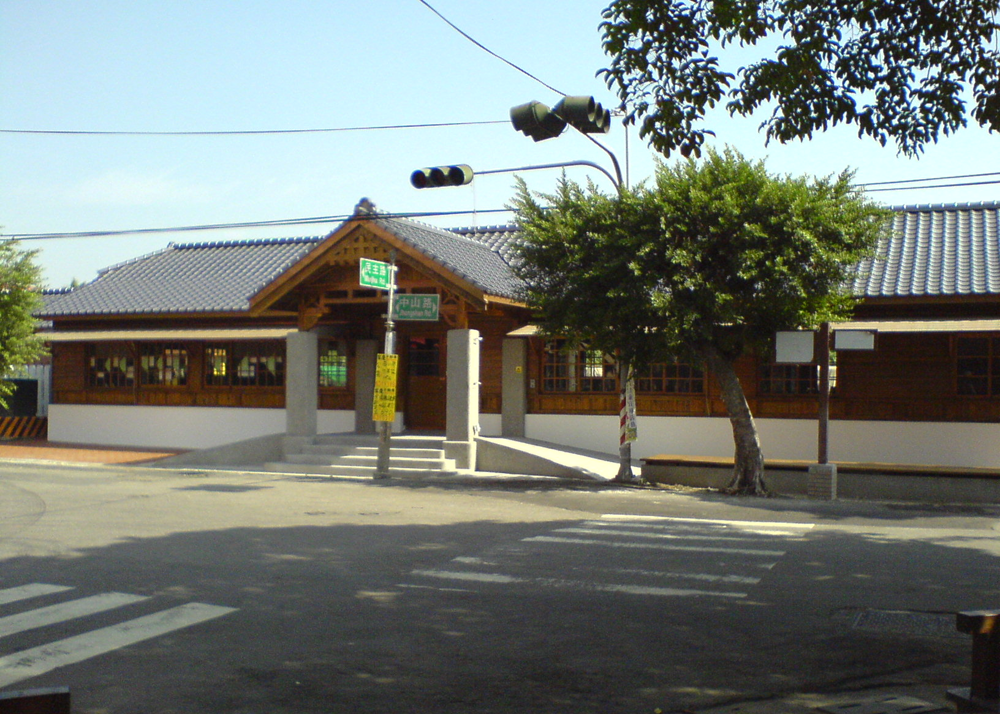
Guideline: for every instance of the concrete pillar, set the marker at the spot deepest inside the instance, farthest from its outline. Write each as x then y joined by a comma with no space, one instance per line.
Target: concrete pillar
301,383
462,411
365,353
514,392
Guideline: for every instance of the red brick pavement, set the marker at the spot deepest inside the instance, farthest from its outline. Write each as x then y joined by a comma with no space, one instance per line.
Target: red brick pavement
48,451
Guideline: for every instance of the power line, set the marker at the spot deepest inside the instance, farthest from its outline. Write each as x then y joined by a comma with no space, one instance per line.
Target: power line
251,132
934,178
246,224
487,50
939,185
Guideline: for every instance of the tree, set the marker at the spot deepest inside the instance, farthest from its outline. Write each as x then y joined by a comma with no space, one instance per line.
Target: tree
576,260
896,70
20,278
742,254
708,263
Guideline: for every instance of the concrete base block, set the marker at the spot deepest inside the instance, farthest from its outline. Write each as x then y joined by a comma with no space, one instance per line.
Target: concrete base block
822,482
463,453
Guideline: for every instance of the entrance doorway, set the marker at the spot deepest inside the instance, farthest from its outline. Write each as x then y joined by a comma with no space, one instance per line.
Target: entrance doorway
426,396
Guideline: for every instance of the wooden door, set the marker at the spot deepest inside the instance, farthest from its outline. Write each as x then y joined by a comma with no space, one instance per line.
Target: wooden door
426,396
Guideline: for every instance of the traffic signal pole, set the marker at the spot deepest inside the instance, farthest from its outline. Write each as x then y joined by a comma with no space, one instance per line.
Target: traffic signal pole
385,427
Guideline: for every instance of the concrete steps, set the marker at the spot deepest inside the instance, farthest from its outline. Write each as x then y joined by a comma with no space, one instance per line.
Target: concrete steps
354,455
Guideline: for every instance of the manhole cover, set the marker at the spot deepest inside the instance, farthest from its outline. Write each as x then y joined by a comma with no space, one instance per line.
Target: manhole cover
889,704
932,624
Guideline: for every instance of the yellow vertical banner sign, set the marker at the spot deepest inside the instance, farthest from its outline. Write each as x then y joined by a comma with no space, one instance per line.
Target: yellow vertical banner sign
384,405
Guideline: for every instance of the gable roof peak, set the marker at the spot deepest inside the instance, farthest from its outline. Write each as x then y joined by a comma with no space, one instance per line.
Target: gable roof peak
365,207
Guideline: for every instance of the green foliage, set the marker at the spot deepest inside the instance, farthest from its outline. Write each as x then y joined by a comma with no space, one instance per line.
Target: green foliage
20,280
578,263
895,70
742,254
715,253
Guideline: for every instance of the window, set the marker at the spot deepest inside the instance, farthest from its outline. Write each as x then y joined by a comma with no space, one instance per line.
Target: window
577,370
425,357
110,364
789,379
671,378
245,364
163,364
333,364
978,366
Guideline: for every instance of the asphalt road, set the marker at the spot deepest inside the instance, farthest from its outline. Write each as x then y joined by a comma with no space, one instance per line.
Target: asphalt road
194,591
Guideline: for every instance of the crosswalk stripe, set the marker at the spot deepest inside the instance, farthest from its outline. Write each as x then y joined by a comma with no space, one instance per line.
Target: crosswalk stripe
39,660
768,526
26,592
576,584
638,534
44,616
656,546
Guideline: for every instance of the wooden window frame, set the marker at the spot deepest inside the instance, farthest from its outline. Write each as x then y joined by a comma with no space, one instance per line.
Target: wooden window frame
797,380
577,370
987,373
255,364
120,368
333,360
163,364
683,377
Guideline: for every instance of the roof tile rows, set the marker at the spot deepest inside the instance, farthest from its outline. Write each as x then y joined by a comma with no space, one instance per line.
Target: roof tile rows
938,250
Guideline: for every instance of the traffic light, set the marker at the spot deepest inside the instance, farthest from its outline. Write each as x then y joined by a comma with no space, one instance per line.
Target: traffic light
585,114
438,176
536,120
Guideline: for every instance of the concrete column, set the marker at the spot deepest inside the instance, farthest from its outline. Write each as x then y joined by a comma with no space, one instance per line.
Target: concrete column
462,411
301,383
365,353
514,392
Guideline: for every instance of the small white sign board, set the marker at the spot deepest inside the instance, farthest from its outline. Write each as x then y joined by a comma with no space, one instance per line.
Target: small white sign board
854,340
794,347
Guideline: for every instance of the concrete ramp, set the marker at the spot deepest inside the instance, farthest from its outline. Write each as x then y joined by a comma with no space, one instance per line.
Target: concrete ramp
537,458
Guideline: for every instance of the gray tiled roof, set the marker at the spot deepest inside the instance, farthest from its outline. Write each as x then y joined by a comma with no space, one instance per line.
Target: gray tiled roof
475,260
936,250
195,277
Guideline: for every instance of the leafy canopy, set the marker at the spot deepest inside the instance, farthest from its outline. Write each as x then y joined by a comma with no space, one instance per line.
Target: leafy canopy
20,279
716,253
577,262
897,70
741,254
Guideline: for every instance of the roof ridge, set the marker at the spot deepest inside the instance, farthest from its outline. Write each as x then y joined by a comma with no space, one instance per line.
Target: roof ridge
243,242
967,206
130,261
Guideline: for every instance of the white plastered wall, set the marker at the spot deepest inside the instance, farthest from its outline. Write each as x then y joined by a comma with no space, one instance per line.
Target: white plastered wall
930,443
175,427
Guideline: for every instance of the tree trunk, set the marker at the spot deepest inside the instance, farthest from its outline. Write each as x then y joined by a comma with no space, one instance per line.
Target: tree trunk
748,466
624,474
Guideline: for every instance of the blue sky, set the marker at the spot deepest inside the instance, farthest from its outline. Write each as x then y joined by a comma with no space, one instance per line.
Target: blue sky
205,65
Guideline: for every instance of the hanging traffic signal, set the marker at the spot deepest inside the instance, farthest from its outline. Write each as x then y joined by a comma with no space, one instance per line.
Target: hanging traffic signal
585,114
536,120
438,176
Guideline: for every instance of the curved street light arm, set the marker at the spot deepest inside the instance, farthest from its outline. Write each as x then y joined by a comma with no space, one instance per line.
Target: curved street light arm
563,164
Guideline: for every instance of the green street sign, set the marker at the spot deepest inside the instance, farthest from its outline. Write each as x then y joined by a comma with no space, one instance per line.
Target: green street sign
416,307
375,274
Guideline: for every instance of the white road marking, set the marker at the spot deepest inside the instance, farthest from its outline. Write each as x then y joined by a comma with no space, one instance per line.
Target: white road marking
776,526
575,584
26,592
639,534
477,577
657,546
44,616
39,660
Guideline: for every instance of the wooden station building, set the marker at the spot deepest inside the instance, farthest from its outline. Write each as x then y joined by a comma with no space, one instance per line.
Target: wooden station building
205,344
